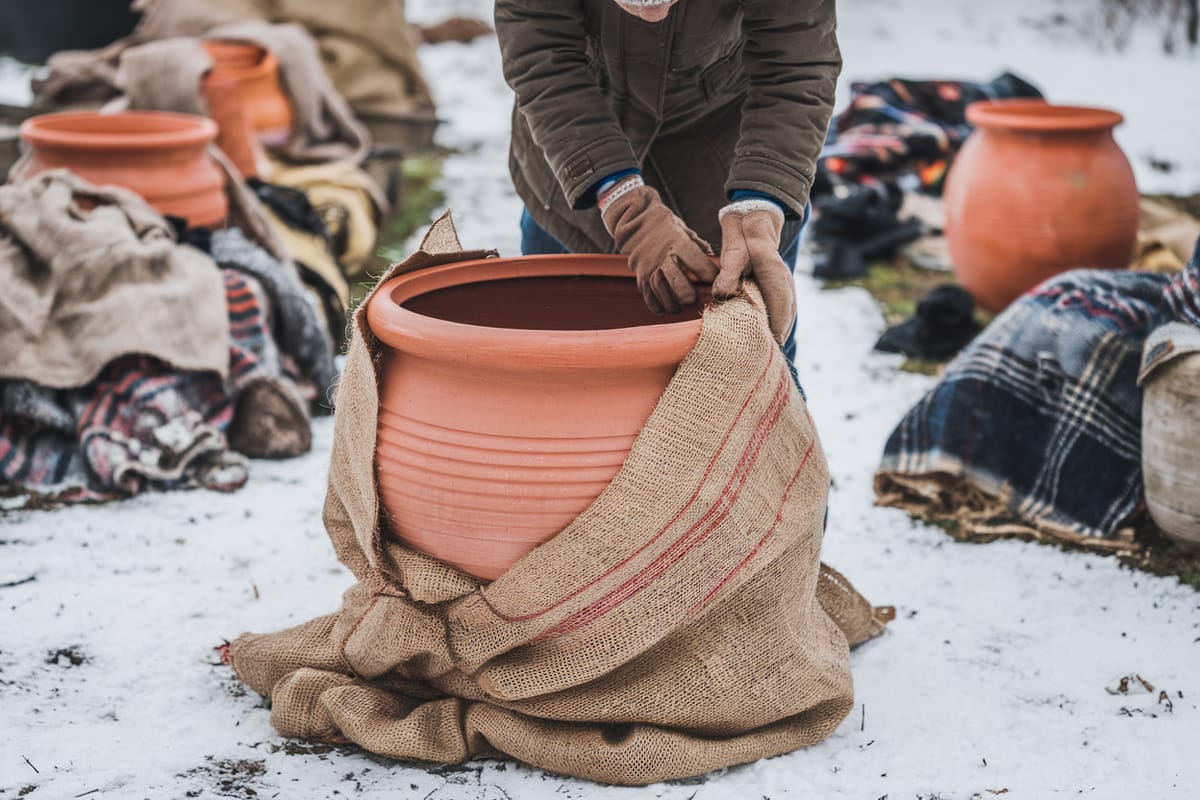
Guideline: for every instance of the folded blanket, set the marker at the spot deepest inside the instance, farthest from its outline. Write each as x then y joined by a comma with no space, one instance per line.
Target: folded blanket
1035,429
89,274
709,638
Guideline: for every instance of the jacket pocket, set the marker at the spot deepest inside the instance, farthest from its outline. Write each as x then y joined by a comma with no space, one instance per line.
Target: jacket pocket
725,77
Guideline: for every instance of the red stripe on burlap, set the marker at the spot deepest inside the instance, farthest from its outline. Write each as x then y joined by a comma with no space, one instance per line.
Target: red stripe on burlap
770,532
682,510
694,535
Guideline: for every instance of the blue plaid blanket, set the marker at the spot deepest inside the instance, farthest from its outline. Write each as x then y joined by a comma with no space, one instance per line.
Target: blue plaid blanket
1035,428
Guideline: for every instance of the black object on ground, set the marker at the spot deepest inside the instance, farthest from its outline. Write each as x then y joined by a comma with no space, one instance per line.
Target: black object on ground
943,325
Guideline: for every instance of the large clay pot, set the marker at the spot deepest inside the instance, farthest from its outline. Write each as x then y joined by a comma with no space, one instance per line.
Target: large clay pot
256,73
513,392
1037,189
160,155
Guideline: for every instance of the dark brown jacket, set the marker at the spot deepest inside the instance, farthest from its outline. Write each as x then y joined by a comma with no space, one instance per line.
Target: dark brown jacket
721,95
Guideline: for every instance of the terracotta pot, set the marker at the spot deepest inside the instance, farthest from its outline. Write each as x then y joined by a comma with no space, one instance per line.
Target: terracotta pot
511,396
256,73
1036,190
160,155
235,136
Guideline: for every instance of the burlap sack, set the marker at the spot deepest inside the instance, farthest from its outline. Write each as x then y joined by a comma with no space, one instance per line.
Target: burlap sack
680,624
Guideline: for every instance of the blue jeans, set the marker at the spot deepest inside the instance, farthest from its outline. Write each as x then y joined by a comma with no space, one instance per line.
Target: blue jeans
536,241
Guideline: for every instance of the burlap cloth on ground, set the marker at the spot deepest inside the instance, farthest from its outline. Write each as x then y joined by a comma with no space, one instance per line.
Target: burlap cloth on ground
680,624
89,274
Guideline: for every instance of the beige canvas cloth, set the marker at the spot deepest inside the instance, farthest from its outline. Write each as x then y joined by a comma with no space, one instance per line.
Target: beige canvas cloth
88,274
160,66
366,46
1166,237
682,623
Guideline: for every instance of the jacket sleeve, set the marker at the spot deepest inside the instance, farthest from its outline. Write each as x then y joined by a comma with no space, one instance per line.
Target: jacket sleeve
542,45
792,62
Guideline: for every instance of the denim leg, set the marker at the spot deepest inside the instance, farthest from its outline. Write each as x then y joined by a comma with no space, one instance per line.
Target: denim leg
789,249
535,240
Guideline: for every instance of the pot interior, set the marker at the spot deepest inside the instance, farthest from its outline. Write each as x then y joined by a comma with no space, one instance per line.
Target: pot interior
549,303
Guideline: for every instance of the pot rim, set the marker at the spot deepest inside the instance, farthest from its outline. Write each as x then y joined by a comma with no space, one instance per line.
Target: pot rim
166,130
1031,114
429,337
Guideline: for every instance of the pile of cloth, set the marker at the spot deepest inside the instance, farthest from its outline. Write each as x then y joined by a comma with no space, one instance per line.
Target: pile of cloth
1035,428
324,207
682,623
133,360
896,136
150,354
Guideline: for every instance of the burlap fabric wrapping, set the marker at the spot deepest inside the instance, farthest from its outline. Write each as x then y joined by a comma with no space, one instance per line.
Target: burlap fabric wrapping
681,624
89,274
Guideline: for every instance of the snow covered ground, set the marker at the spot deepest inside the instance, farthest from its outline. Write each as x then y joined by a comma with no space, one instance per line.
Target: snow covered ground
996,679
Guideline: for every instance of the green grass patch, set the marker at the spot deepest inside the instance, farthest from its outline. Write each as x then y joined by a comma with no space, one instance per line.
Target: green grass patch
897,286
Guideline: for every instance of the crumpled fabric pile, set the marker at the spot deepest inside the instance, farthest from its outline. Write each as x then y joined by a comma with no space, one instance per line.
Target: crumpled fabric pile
896,136
133,361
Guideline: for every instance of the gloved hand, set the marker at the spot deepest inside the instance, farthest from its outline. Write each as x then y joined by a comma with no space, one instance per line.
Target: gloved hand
750,231
666,255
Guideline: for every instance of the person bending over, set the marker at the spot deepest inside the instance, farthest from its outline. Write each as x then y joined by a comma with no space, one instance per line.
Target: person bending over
654,127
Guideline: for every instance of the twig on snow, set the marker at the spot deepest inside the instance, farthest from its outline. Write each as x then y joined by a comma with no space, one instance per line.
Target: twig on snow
11,584
31,766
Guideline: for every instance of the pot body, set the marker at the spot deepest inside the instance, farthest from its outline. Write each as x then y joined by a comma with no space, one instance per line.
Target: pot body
255,71
160,155
492,437
1036,190
1170,458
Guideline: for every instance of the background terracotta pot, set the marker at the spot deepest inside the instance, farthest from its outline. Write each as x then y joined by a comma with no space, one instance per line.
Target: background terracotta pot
514,391
160,155
256,73
235,135
1037,189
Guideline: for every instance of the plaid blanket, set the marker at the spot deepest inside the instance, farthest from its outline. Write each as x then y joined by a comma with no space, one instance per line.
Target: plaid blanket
1036,427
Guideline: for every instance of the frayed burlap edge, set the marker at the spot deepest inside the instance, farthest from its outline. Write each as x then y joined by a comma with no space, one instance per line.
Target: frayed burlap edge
969,513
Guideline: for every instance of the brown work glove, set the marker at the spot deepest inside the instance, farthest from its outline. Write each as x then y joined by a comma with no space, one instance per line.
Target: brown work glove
666,255
750,247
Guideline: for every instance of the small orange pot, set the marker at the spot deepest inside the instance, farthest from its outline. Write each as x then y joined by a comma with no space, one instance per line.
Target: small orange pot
1037,189
256,73
160,155
512,393
235,136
